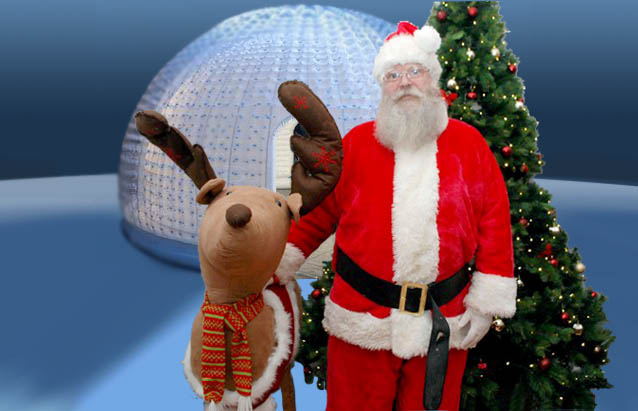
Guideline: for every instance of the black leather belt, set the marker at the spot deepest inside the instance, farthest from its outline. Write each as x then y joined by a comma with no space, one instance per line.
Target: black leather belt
413,298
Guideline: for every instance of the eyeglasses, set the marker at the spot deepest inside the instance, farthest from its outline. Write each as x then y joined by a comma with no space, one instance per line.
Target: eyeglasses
412,72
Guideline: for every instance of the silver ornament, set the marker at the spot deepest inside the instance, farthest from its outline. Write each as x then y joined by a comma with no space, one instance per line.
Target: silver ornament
451,83
495,52
470,54
519,105
554,229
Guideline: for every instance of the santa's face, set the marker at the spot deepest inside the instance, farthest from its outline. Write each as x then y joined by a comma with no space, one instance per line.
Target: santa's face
402,78
411,111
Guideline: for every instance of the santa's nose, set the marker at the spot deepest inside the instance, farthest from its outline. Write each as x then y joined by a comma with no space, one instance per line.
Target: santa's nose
238,215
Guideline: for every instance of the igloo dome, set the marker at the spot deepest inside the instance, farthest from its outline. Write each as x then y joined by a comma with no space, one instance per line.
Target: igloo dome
221,92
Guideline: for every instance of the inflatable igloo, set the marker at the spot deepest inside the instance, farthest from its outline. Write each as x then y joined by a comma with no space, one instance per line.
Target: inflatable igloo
221,92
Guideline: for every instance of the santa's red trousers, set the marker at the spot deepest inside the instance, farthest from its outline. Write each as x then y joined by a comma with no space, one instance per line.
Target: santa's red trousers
362,379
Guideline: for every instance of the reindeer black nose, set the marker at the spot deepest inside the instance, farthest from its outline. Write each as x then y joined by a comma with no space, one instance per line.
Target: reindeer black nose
238,215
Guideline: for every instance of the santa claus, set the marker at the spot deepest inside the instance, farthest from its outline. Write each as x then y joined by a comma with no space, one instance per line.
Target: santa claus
423,246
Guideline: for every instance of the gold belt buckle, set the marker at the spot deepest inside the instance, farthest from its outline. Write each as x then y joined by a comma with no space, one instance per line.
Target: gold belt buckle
404,292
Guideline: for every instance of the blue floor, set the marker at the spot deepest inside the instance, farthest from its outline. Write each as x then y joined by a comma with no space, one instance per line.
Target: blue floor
91,323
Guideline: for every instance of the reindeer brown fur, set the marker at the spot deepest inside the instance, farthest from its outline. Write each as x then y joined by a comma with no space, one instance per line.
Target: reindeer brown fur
244,230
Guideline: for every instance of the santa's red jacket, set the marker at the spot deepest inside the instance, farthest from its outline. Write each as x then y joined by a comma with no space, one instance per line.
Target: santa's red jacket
413,216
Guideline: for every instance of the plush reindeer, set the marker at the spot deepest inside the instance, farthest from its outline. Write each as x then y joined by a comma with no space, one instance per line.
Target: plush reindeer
245,337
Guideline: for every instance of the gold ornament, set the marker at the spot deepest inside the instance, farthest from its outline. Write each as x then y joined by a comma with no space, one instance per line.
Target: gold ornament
597,349
495,52
451,83
470,54
580,267
519,105
578,329
498,325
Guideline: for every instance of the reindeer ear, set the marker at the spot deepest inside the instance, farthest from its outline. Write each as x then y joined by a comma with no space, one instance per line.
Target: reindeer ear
209,190
294,202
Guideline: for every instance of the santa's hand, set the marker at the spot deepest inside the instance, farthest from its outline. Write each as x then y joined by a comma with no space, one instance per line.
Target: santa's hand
479,324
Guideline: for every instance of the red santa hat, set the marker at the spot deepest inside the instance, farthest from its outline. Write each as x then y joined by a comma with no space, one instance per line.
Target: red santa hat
409,44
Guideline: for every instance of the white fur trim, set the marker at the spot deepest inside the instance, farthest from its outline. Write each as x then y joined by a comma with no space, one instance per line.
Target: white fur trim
358,328
405,335
283,154
290,262
492,294
281,353
290,288
421,47
415,237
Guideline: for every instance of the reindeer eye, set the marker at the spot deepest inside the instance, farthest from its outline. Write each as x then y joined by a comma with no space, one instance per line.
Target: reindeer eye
227,193
278,203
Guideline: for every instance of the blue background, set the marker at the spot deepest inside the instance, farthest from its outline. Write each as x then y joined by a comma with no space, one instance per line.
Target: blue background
73,71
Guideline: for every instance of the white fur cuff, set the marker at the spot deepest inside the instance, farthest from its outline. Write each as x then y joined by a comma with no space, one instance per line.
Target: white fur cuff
492,294
292,259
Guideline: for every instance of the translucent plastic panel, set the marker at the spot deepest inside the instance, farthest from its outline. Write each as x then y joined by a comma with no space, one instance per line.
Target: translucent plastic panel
221,92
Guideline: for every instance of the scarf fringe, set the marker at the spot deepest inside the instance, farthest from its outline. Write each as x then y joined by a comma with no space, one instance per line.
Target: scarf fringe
214,407
245,403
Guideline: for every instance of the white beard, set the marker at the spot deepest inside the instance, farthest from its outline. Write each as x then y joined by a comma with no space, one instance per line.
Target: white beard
410,124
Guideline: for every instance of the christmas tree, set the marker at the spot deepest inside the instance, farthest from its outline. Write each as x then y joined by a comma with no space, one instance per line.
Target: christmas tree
550,354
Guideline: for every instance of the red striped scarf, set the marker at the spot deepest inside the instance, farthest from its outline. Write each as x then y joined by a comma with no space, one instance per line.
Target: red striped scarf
235,316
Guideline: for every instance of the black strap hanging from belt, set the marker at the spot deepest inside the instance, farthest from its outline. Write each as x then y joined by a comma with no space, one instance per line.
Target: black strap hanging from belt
410,298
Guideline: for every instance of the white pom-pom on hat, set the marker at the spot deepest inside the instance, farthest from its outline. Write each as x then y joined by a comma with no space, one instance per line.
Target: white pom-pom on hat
409,44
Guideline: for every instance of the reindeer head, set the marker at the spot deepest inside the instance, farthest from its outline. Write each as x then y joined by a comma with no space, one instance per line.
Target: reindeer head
244,230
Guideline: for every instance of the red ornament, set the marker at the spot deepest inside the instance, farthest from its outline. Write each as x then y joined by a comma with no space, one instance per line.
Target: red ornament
306,370
523,221
544,363
512,68
472,11
547,252
472,95
507,151
449,97
521,100
316,293
539,156
594,294
524,168
482,366
554,262
564,316
441,15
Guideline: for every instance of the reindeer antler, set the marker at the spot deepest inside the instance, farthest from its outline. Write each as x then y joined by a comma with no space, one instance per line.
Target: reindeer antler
320,152
190,158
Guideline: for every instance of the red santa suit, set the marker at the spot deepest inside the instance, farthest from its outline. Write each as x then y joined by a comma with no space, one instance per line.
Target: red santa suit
413,216
408,216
